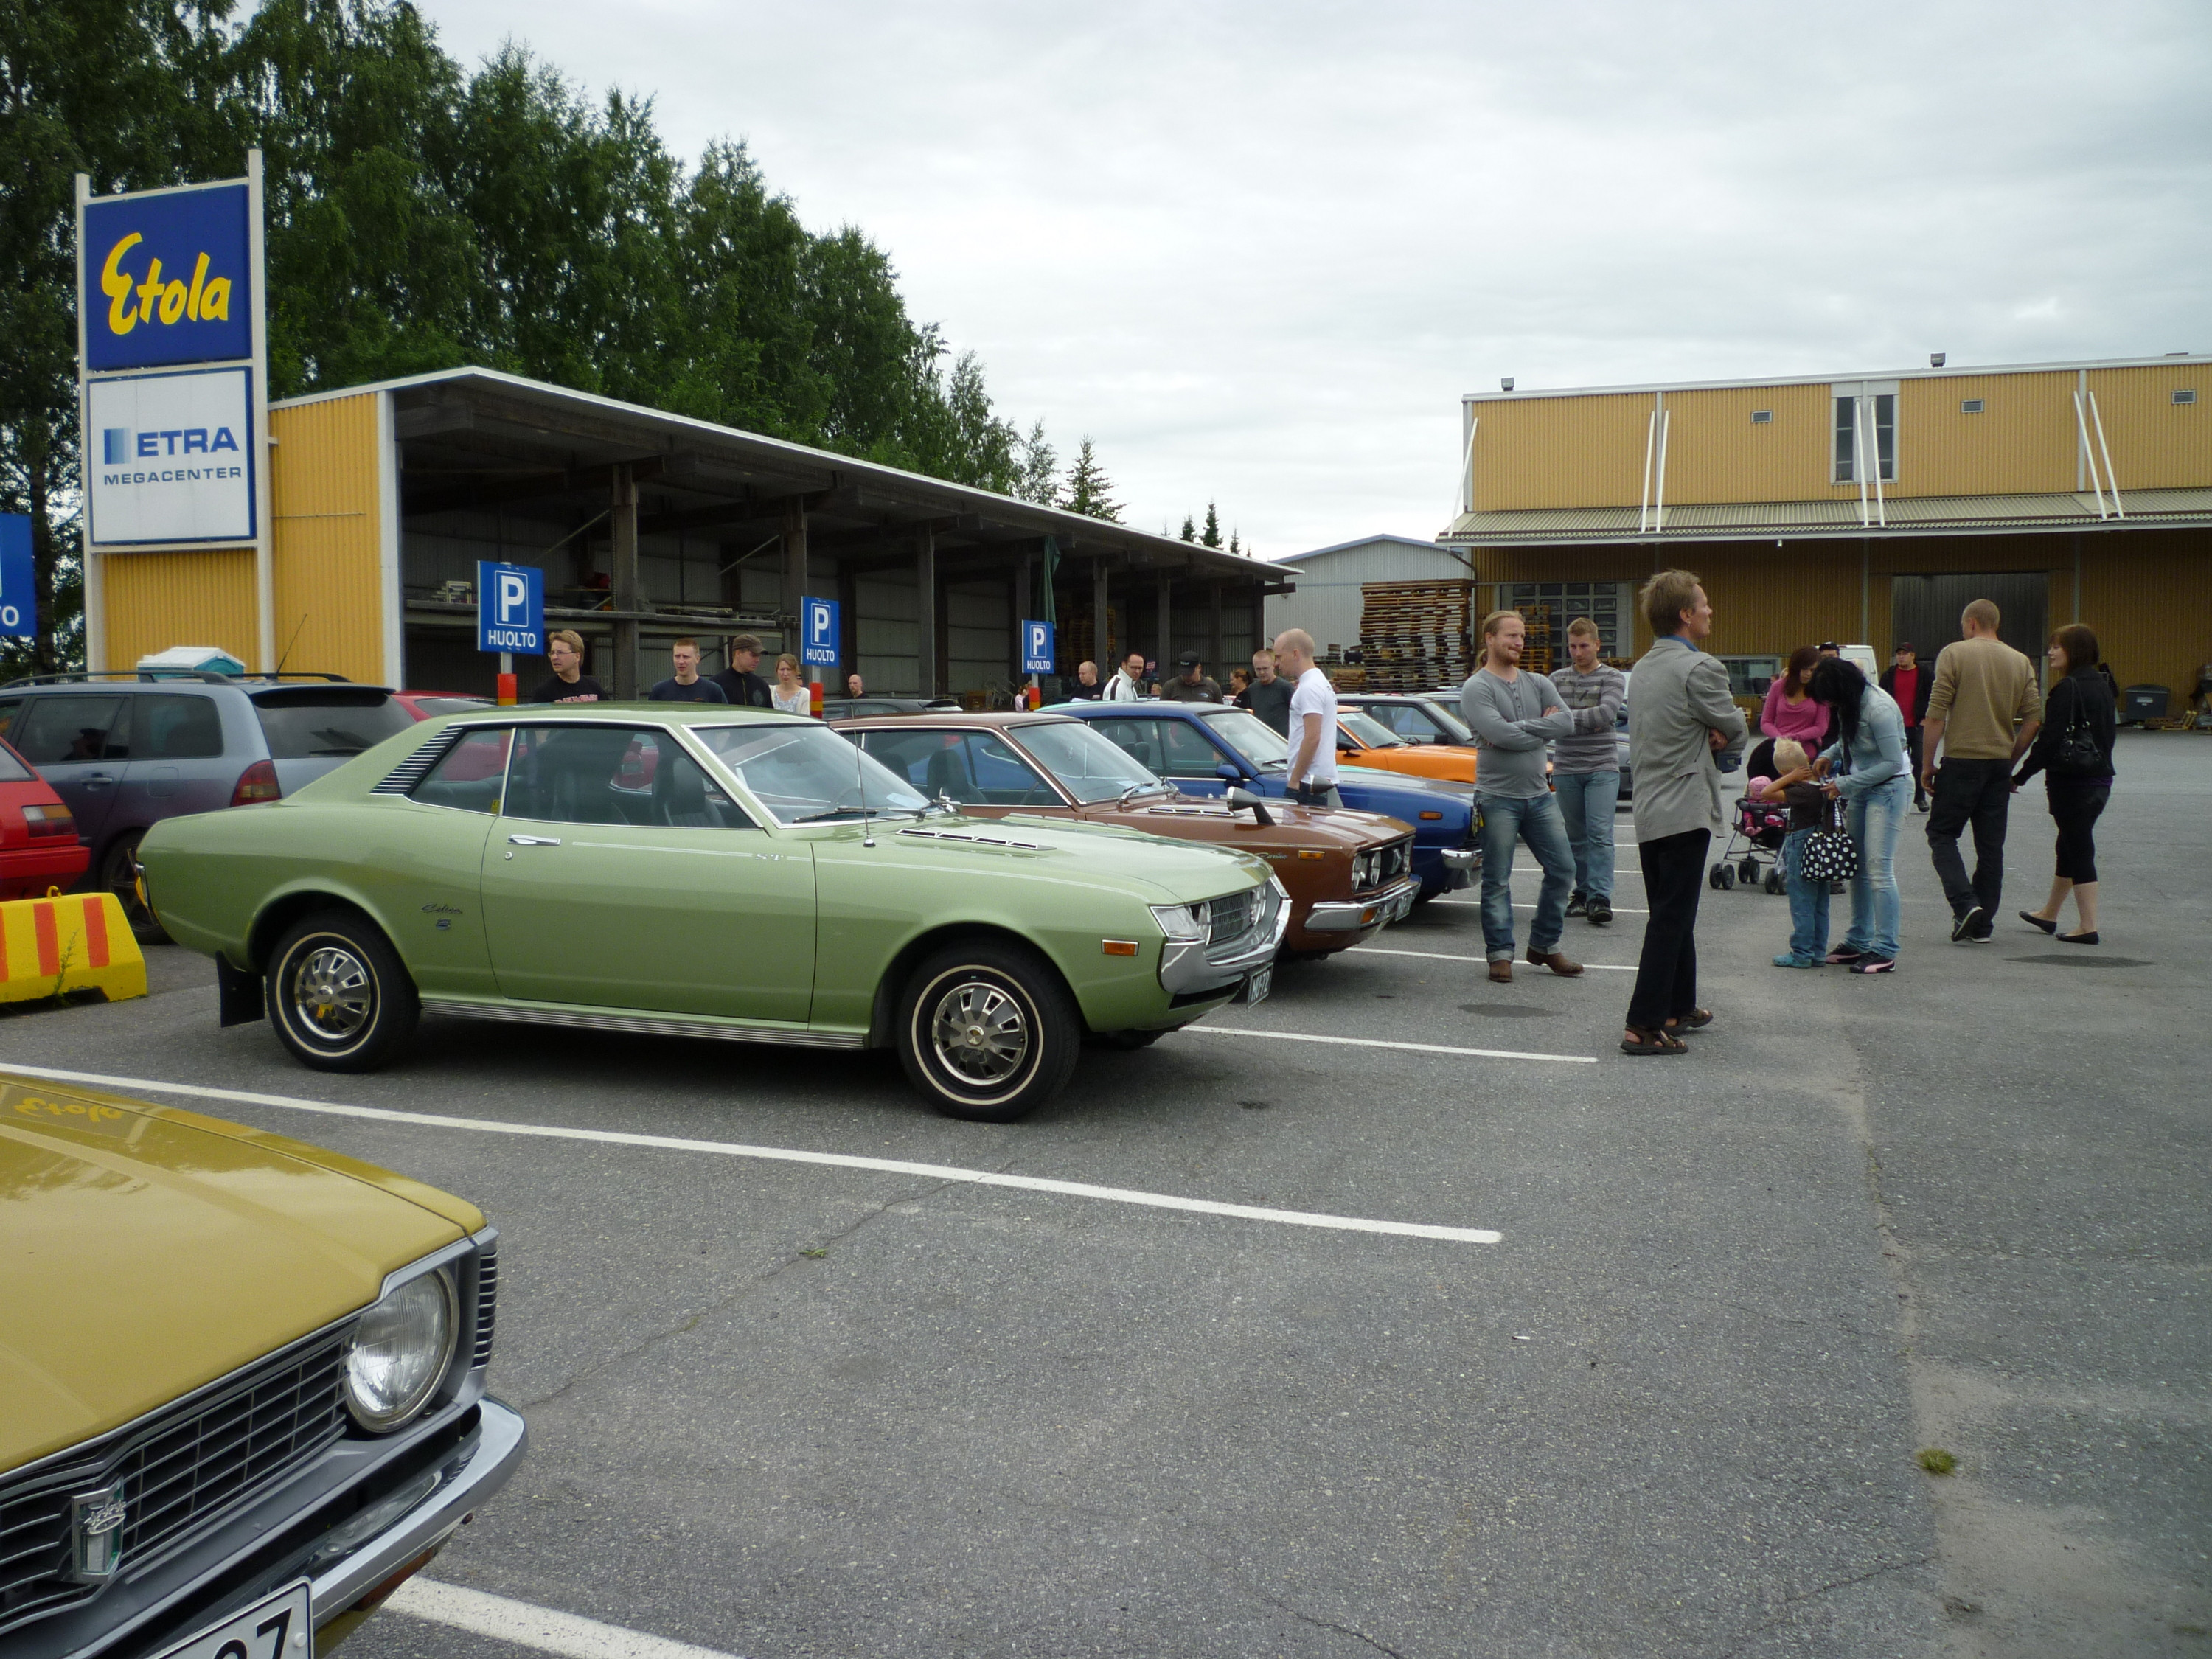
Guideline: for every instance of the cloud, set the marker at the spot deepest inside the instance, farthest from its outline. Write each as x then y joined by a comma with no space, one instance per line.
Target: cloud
1257,251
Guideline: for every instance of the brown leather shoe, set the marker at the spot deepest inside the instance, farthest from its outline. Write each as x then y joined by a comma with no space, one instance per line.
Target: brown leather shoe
1557,962
1501,973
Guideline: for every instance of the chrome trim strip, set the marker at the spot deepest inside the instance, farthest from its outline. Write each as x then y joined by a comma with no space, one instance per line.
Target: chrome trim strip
644,1025
1461,858
1344,917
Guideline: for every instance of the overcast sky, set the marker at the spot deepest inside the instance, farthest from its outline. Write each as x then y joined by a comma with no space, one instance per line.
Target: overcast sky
1257,251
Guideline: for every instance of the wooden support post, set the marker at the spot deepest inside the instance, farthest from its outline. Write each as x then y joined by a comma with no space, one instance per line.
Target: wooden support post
1213,633
623,582
1021,613
1102,640
1164,627
924,612
794,567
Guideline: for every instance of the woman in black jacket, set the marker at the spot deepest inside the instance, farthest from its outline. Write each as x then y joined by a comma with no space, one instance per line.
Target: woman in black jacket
2073,752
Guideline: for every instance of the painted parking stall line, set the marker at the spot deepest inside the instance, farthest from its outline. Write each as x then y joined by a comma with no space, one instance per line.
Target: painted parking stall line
1381,1042
791,1155
1618,910
1438,956
498,1618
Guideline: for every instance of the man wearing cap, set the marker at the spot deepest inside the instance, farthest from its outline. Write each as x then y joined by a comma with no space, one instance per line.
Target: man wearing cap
739,683
1909,686
1192,685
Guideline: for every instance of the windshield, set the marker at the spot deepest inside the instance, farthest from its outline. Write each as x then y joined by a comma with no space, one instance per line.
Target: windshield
1252,737
311,722
1455,729
1369,730
1089,766
807,774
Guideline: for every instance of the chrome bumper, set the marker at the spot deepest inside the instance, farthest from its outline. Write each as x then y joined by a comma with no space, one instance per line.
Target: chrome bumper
479,1467
1186,971
1348,916
1461,858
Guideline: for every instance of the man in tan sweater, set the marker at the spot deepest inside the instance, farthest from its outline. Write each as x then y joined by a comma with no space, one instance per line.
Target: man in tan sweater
1982,715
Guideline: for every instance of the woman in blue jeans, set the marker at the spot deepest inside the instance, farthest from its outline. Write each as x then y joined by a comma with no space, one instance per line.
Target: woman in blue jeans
1869,774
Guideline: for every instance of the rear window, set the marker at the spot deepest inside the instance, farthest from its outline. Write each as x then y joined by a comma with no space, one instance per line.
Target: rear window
311,722
177,725
432,707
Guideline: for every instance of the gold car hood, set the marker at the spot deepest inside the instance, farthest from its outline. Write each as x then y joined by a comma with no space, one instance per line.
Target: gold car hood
145,1251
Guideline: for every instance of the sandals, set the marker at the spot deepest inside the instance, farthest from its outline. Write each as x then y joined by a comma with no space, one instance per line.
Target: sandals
1696,1020
1649,1040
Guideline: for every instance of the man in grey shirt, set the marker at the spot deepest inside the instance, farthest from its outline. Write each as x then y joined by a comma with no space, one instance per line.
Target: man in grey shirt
1586,769
1514,714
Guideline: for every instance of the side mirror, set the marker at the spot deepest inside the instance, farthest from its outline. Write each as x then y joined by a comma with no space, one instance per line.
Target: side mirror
1228,774
1241,799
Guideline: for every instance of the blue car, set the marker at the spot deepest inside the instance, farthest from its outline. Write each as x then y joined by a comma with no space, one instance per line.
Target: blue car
1206,749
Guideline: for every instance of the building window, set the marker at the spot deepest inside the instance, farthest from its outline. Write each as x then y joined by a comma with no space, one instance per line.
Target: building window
1850,433
2186,395
1970,406
1553,605
1762,417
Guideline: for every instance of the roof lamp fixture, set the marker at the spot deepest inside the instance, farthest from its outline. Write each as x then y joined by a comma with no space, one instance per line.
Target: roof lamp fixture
1505,384
2185,395
1762,417
1970,406
1936,359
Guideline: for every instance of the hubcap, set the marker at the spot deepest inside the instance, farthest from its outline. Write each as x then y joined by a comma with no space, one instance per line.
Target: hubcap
979,1033
332,994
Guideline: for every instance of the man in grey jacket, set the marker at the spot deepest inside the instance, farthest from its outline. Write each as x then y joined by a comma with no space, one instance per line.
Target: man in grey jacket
1513,715
1680,716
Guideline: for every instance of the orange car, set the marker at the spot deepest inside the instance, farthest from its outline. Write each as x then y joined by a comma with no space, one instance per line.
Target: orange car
1362,740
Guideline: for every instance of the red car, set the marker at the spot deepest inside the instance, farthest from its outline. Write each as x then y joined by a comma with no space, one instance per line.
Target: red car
426,705
38,848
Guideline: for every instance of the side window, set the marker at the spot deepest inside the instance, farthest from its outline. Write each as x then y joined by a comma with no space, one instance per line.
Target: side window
1004,778
471,775
67,731
1408,723
8,710
905,752
174,726
614,775
1189,753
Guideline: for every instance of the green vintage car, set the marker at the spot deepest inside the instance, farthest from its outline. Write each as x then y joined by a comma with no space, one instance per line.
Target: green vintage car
703,871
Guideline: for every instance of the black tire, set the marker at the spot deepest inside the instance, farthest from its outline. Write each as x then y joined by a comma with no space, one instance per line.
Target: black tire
986,1032
1774,882
1728,880
1748,872
118,874
338,995
1713,876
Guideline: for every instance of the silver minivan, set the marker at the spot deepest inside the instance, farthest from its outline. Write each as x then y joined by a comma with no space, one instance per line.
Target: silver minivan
125,753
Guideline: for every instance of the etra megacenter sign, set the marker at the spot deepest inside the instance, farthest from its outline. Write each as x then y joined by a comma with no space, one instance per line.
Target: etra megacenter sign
169,457
167,278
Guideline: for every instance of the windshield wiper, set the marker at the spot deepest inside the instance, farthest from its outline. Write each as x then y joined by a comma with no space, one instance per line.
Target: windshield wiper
834,812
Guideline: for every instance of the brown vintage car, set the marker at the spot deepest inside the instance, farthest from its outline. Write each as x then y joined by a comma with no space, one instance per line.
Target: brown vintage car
1348,874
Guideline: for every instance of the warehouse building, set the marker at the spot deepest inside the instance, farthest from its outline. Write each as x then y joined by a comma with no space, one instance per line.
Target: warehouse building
648,526
1330,579
1867,508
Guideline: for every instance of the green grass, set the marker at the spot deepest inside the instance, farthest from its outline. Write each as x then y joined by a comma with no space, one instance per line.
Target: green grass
1936,1460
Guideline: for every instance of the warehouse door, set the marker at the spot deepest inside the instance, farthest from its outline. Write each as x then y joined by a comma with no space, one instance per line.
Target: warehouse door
1925,609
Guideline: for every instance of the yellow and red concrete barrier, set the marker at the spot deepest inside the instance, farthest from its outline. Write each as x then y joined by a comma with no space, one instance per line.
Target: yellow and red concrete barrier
68,942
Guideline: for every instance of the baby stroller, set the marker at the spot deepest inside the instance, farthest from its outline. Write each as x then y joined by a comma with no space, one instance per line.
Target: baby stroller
1754,848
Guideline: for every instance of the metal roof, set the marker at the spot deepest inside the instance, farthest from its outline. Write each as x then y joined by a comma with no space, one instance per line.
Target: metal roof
1906,516
1357,540
1949,371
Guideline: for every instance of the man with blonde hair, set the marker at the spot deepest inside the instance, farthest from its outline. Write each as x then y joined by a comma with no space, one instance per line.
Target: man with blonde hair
1515,715
1312,775
564,654
1982,715
685,685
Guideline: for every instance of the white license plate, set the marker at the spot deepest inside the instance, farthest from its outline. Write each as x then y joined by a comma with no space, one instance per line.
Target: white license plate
281,1628
1257,985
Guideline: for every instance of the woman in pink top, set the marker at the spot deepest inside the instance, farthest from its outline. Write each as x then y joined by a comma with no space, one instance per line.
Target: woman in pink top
1790,711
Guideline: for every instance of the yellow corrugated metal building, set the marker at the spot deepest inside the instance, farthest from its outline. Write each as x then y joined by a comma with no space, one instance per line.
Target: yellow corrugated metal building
1863,508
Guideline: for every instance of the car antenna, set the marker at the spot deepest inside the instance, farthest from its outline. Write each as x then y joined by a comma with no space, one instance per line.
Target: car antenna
289,644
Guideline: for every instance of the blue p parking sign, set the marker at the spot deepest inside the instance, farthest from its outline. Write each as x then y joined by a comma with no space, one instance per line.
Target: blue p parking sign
19,593
817,632
1036,647
510,608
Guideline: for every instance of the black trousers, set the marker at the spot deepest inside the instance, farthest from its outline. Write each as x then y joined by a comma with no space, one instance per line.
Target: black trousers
2076,807
1666,972
1978,792
1912,755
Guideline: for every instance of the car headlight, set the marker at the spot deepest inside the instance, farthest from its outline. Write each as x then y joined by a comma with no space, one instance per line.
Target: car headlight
398,1352
1363,870
1180,922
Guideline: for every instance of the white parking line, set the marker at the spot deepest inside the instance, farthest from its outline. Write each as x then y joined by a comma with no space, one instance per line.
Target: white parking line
1378,1043
786,1155
1438,956
1618,910
497,1618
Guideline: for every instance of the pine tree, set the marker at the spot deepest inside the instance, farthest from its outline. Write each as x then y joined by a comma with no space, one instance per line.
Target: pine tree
1190,530
1089,491
1211,536
1037,473
1233,547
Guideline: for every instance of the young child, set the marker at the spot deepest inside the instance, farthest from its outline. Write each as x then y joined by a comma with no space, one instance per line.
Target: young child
1808,900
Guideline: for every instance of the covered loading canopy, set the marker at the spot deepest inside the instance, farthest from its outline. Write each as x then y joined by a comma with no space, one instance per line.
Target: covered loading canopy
598,492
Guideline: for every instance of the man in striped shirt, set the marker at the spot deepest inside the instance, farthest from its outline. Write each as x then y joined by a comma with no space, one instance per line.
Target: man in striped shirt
1586,770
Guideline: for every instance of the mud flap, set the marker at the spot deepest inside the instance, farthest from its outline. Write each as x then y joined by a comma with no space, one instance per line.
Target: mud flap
238,995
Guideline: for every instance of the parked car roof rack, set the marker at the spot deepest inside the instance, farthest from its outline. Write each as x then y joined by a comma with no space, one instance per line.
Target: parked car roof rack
77,676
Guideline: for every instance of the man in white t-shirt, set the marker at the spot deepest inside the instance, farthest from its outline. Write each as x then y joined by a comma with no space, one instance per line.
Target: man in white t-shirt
1312,777
1127,684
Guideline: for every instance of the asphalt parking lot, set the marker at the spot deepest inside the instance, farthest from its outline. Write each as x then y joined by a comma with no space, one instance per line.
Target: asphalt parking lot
786,1407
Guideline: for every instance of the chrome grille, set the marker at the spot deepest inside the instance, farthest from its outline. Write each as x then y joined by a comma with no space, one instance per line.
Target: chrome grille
1234,921
487,1306
202,1455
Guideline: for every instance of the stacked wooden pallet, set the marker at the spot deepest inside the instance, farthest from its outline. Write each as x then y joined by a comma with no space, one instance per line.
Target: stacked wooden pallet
1415,636
1540,653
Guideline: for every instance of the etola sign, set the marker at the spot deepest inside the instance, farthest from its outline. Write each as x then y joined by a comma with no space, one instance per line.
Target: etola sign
168,278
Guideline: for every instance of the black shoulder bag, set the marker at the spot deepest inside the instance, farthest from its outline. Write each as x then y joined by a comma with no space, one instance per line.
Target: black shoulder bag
2077,750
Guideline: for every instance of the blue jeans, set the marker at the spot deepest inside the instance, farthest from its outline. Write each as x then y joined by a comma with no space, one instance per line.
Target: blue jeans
1873,819
1808,901
1506,819
1587,800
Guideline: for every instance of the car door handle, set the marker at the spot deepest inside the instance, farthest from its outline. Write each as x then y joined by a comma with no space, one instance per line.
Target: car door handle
95,779
533,841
